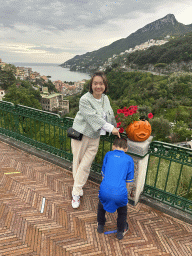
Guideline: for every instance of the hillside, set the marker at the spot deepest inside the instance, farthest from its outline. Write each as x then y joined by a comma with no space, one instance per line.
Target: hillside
156,30
177,50
169,98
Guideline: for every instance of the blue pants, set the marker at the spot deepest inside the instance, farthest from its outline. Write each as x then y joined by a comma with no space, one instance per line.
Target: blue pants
121,219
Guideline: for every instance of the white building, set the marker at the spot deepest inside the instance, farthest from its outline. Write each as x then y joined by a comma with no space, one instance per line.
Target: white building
2,94
54,101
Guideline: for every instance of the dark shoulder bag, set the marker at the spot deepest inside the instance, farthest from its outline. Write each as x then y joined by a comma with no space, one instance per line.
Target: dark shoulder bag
73,134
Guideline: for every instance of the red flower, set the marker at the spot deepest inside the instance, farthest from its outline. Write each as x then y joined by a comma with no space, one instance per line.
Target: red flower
118,124
119,111
131,112
150,115
121,130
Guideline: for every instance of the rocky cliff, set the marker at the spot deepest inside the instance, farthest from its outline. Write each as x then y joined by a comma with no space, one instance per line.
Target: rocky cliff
158,29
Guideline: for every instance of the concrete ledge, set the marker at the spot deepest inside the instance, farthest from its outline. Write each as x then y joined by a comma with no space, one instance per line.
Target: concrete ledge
139,148
176,213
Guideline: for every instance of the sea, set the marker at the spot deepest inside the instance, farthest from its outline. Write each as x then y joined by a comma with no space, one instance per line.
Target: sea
55,71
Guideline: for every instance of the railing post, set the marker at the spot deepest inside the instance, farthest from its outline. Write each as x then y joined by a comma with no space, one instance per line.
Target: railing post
139,152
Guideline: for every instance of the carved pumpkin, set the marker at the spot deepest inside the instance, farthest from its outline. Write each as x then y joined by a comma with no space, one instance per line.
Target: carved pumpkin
138,130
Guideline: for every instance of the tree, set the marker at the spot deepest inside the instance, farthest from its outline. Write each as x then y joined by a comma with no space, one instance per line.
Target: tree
159,66
23,96
51,86
161,128
10,67
144,111
182,114
7,78
181,131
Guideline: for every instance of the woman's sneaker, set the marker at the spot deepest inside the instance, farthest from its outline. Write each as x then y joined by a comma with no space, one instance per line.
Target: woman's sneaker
81,193
76,201
120,235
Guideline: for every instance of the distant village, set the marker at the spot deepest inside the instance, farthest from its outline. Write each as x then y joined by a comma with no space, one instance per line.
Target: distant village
50,101
56,101
140,47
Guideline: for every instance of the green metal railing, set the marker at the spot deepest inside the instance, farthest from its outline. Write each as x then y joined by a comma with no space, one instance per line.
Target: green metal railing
169,172
45,131
169,175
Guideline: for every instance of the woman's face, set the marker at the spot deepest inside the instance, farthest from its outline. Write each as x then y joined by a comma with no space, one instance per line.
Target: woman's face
98,87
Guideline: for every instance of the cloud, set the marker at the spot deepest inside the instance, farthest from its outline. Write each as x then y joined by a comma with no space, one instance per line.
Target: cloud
72,27
72,13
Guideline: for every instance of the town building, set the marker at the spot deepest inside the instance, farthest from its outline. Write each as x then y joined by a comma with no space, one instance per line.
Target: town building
33,76
45,78
23,72
52,102
59,85
67,89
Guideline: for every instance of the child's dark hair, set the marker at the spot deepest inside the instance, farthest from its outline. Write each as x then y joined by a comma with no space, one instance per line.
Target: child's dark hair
120,142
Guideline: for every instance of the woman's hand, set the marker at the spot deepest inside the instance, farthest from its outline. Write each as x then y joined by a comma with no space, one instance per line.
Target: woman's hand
116,132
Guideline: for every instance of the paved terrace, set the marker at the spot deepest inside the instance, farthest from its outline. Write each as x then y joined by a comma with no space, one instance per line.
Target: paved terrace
62,230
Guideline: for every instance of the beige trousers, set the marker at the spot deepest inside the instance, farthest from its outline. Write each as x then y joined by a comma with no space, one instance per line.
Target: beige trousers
84,152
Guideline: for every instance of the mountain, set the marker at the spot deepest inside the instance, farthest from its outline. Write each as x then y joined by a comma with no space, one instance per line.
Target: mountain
177,50
158,29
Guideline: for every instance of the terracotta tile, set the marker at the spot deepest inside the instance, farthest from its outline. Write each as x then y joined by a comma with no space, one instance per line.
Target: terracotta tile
61,230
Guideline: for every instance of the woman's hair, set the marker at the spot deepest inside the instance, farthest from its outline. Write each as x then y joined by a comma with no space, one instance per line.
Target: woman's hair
120,142
102,75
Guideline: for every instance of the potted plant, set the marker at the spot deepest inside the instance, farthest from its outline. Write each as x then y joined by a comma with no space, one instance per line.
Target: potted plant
129,121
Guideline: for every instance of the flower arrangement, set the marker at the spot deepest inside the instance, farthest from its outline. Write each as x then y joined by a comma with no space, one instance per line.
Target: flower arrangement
127,116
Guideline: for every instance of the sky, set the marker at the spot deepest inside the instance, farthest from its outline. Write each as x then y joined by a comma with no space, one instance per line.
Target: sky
50,31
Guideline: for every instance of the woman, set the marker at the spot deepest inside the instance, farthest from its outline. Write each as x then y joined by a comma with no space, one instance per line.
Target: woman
94,118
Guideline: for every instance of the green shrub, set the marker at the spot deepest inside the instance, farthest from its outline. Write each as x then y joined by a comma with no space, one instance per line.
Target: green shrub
160,128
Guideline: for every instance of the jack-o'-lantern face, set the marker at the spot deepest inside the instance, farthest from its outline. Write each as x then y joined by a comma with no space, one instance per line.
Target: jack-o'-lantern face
139,131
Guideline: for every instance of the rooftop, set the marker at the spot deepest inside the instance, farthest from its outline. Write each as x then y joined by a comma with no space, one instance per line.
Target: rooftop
61,230
50,96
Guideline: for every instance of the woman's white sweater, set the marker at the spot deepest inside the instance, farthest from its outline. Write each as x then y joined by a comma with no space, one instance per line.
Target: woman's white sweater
89,119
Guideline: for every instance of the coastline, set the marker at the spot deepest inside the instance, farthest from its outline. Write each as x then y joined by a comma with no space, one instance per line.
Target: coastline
55,71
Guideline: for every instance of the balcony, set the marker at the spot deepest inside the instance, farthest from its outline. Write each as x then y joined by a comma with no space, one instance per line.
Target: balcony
36,217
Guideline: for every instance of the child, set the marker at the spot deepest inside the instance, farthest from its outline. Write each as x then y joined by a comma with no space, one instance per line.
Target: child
117,172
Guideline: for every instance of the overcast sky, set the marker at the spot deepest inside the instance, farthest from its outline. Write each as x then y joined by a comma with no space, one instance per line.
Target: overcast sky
50,31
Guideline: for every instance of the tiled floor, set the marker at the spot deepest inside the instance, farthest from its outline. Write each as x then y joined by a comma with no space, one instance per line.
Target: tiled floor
62,230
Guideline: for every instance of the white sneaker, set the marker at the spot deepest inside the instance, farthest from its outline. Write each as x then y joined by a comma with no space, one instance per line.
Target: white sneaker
81,193
76,201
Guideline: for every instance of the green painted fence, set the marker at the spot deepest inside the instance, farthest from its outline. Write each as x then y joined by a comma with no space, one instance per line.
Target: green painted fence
169,172
45,131
169,175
